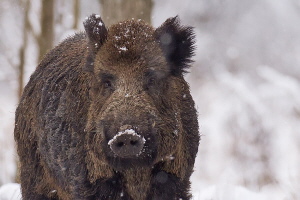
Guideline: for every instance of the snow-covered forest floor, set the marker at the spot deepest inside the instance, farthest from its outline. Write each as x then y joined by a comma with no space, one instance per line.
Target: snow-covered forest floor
245,82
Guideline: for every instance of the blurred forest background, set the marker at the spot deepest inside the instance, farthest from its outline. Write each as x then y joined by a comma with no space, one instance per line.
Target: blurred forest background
245,82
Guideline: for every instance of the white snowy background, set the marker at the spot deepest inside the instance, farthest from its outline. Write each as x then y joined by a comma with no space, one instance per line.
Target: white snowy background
245,82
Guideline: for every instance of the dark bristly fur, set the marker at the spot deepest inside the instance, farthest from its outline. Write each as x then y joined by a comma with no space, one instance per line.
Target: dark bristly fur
94,85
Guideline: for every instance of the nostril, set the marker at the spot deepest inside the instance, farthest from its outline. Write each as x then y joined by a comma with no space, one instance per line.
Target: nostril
134,142
120,144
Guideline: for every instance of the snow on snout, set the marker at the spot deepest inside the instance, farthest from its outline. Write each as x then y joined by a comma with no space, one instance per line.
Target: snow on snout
127,132
123,48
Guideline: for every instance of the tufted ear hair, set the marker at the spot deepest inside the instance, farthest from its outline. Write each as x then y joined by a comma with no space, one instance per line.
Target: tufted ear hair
96,33
177,43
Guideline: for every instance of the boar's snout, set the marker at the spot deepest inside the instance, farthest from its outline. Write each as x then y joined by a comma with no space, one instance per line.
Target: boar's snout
129,141
127,144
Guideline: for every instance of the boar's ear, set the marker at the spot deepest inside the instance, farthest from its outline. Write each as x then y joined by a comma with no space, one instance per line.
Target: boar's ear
177,43
96,34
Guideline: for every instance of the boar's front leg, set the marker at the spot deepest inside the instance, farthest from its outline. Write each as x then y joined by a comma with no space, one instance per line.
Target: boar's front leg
166,186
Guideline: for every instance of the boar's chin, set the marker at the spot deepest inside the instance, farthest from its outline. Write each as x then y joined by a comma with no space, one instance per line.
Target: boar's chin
121,164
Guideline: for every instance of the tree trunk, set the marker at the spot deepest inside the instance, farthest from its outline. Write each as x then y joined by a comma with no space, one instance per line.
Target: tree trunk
26,28
47,27
76,7
114,11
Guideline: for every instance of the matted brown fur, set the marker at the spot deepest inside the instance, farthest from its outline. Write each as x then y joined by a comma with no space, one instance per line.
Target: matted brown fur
90,86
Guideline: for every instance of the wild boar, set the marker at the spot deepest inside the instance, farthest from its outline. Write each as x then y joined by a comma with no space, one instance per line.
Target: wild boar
107,114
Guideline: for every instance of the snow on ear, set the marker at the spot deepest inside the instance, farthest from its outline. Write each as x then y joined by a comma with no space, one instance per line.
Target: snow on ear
96,33
177,43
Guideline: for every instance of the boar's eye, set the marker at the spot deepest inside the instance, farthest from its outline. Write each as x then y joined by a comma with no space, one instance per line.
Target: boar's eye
107,84
107,80
151,81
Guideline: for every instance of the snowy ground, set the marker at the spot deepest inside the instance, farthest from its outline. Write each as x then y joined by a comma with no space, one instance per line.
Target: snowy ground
11,191
245,84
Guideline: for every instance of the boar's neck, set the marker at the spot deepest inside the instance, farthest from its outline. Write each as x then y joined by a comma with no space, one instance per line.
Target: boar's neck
137,182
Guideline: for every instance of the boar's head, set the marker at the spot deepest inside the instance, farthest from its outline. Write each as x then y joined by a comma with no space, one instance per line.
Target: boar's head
134,117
